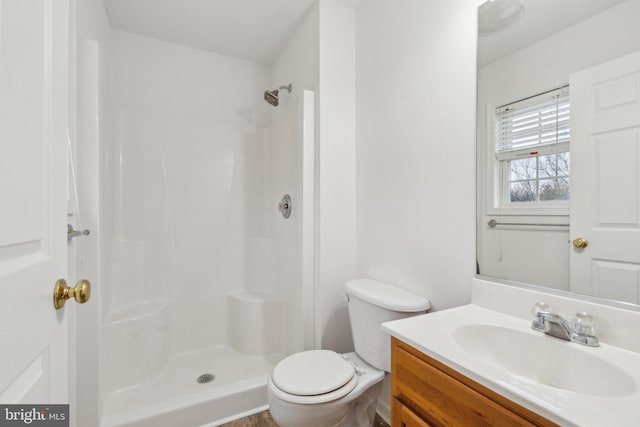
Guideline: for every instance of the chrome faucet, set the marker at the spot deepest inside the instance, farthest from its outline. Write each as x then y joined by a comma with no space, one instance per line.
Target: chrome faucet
581,329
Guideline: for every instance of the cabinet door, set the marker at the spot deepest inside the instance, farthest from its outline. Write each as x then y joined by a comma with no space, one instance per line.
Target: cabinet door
427,392
405,417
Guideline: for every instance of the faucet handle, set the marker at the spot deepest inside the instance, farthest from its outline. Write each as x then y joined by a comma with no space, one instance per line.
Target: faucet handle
536,310
584,325
540,306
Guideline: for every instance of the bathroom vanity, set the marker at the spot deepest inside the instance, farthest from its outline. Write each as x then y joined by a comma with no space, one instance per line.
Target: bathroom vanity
426,392
483,364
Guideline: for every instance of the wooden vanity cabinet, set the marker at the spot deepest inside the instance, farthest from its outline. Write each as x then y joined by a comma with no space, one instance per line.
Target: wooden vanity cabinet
426,392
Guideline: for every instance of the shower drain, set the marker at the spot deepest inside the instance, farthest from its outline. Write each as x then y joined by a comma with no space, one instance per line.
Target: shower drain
205,378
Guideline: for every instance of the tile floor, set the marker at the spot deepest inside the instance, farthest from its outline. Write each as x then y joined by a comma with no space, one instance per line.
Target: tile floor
263,419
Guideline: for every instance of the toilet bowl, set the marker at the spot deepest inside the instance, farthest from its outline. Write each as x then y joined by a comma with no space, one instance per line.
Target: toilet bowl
322,388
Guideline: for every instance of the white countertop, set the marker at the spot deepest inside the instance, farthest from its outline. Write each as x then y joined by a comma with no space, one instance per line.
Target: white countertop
432,334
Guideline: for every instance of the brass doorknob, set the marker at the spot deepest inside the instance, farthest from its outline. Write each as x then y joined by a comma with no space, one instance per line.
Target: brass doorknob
580,243
62,292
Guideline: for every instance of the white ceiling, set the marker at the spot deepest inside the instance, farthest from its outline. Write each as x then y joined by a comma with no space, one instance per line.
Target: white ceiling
541,19
254,30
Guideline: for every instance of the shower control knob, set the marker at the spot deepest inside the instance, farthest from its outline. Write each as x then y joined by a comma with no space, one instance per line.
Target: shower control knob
285,206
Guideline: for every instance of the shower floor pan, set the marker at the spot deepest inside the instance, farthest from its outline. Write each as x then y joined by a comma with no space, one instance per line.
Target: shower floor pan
176,398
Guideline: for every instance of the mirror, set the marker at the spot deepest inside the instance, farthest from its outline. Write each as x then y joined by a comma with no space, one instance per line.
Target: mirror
528,225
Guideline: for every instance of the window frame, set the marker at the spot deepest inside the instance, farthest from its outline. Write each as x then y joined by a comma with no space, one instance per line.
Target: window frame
493,174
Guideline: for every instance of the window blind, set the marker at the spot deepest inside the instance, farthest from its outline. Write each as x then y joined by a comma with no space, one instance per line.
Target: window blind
534,126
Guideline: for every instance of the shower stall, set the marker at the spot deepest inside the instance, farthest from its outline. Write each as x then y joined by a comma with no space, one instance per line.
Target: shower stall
201,284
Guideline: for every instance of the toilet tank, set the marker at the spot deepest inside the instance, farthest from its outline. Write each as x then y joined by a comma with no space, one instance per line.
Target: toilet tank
371,303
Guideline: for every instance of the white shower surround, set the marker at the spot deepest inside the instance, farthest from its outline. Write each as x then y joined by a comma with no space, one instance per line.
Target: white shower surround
199,272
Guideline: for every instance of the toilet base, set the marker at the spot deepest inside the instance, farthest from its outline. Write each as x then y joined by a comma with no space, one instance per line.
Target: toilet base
363,410
358,413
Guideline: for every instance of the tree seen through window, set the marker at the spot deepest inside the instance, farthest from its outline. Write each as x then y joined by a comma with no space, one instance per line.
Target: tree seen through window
539,178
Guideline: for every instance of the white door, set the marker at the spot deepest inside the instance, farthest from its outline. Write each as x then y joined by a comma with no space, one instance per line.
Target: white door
33,168
605,188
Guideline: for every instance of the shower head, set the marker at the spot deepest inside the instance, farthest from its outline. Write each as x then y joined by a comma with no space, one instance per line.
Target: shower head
271,96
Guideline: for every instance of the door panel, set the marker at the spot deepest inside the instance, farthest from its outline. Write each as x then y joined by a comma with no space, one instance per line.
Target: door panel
605,193
620,279
615,168
22,62
33,137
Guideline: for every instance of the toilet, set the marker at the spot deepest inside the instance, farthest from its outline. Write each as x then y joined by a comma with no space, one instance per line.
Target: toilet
322,388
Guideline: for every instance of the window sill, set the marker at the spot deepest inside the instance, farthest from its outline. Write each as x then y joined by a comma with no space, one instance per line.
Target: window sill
529,211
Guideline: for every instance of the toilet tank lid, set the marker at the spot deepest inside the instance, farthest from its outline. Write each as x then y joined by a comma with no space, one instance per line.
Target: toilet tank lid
387,296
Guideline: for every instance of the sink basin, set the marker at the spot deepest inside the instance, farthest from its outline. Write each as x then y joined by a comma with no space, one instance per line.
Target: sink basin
545,360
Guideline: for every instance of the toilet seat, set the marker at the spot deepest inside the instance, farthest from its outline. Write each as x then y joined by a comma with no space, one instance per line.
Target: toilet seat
314,376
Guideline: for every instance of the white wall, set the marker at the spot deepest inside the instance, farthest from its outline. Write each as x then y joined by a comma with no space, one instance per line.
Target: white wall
517,254
297,64
320,56
92,19
415,70
336,176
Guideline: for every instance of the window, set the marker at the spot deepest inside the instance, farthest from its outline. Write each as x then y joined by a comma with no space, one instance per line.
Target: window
532,148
